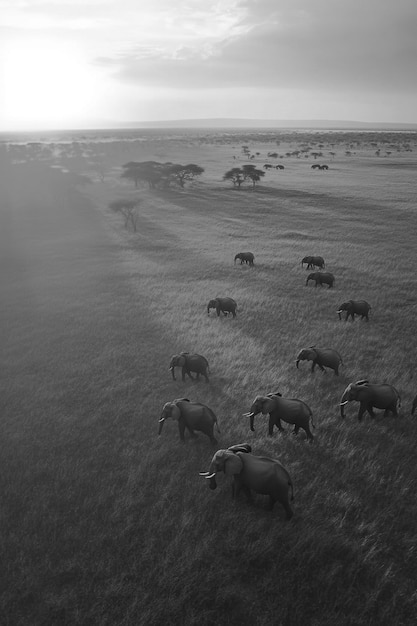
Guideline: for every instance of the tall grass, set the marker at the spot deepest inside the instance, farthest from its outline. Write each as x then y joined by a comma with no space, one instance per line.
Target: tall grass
103,521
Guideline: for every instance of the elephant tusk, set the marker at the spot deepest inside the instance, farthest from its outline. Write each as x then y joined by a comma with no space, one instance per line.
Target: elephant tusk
343,403
250,414
161,420
340,311
211,475
204,473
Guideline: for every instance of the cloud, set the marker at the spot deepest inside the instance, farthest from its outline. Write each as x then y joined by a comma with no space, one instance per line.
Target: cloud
368,45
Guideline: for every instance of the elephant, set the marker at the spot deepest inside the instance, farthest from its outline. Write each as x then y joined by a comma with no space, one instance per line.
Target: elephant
313,261
289,410
252,473
370,395
189,363
321,278
190,415
355,307
226,305
245,257
323,167
323,357
414,406
279,167
316,166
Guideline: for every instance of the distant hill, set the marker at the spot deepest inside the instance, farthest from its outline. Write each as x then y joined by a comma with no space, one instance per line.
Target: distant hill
257,123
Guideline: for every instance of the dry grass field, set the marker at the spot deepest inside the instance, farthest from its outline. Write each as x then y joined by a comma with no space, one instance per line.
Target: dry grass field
103,522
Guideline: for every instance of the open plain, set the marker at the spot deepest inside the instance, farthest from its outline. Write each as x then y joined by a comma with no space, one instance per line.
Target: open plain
103,522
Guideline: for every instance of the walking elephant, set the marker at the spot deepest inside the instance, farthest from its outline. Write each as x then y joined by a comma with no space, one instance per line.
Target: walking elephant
245,257
260,474
323,357
190,415
321,278
189,363
313,261
225,305
355,307
288,410
371,396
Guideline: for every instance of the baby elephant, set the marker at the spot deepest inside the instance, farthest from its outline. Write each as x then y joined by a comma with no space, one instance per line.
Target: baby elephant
252,473
323,357
189,363
225,305
321,278
245,257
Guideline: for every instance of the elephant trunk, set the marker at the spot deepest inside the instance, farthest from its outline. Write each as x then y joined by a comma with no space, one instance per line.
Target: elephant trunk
342,407
297,362
161,423
251,421
211,477
340,313
172,372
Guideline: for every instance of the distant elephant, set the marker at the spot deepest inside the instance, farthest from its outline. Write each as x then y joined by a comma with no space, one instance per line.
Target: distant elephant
323,167
267,166
321,278
189,363
225,305
379,396
414,407
190,415
355,307
252,473
313,261
245,257
323,357
289,410
279,167
316,166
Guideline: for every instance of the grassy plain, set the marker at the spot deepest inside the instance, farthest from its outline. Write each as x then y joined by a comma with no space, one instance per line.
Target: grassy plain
105,523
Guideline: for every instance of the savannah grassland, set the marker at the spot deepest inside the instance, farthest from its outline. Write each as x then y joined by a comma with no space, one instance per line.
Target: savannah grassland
102,521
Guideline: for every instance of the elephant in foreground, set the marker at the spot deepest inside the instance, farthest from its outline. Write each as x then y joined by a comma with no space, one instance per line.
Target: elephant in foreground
252,473
289,410
414,406
245,257
190,415
355,307
189,363
323,357
321,278
225,305
313,261
371,396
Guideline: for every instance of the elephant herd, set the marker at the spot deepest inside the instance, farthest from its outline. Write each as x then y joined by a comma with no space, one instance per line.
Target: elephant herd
265,475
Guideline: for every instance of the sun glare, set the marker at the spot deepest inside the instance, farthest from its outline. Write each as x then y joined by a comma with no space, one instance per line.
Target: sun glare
46,84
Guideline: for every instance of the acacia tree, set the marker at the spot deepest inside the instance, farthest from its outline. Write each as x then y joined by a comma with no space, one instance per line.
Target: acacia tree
183,173
160,174
127,208
238,175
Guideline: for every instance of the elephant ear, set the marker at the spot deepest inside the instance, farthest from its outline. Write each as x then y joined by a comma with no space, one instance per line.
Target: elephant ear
180,400
175,412
233,464
268,403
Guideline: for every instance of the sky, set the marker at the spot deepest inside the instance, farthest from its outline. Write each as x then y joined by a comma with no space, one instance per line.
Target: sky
96,63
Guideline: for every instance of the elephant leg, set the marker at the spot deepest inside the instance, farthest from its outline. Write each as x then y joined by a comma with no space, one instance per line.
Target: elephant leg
321,367
181,428
336,371
206,377
308,433
192,433
313,366
234,313
247,493
288,509
184,372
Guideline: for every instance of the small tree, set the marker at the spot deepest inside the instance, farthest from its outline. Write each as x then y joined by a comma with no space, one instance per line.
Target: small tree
239,174
127,208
